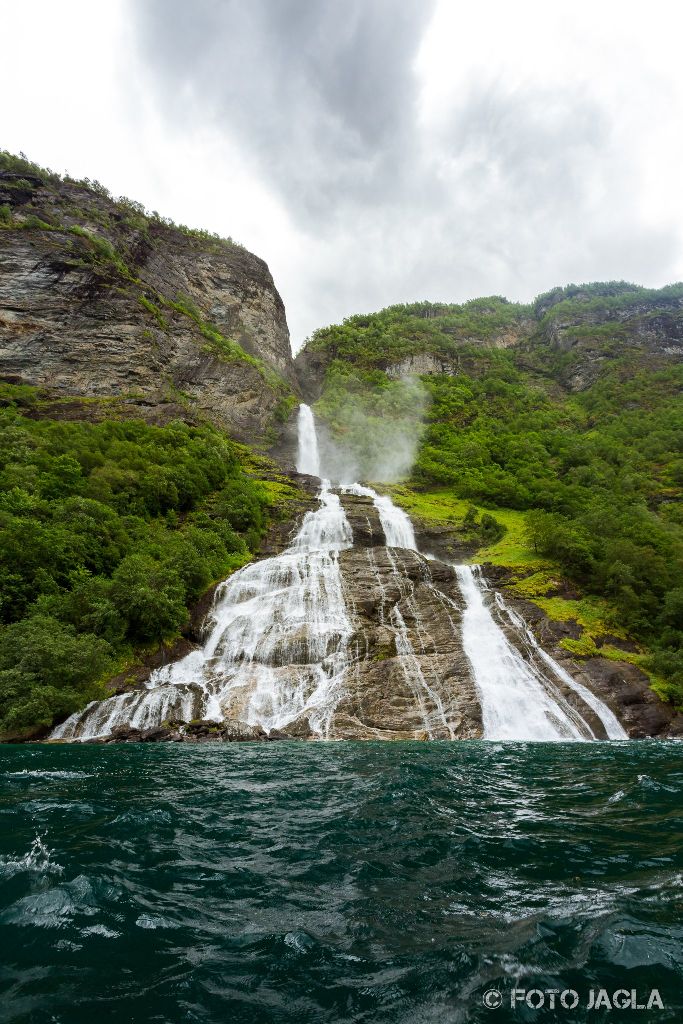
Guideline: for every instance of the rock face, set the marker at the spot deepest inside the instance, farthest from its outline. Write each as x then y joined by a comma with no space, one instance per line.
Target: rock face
592,337
410,678
97,301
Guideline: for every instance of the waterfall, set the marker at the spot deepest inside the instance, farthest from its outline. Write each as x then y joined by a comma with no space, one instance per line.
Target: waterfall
519,700
276,648
398,529
610,722
278,643
308,456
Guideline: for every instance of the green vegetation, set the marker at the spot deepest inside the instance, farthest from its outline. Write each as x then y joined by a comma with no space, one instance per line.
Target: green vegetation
376,340
587,483
133,213
109,532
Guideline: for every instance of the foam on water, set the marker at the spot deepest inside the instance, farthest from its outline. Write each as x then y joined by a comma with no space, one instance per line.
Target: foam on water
37,861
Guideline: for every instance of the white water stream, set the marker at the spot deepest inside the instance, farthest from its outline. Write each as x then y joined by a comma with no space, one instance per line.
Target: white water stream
519,700
278,637
276,647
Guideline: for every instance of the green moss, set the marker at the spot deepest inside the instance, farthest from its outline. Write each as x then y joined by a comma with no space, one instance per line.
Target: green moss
437,507
583,647
534,585
592,613
32,222
285,407
152,308
513,550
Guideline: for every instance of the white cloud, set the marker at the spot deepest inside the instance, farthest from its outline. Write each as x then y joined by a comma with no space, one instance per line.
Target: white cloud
370,159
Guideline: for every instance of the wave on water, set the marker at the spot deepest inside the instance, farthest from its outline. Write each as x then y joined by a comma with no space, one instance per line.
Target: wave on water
340,883
37,861
34,773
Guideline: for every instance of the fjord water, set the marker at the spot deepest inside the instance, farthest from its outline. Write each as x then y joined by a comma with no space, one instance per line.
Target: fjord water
346,882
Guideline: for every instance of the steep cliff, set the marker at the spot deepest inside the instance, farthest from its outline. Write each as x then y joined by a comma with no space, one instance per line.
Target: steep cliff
99,300
134,355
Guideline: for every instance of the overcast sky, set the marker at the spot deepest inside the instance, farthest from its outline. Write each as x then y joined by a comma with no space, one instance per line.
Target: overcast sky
372,151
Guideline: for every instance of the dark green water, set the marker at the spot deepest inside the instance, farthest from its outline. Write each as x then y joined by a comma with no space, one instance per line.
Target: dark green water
338,882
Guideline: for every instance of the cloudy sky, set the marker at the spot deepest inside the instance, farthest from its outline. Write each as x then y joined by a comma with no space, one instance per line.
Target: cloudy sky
373,151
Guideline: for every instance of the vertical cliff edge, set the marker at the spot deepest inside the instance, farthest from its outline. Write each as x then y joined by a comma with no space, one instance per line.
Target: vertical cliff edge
101,301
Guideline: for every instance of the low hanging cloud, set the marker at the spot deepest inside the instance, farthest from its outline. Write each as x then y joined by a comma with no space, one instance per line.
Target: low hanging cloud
509,182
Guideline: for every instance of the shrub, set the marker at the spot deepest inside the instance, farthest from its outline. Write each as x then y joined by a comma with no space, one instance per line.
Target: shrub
150,596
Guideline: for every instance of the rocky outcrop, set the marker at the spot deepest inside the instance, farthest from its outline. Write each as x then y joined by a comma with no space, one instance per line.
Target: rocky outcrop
409,677
590,334
364,520
99,301
192,732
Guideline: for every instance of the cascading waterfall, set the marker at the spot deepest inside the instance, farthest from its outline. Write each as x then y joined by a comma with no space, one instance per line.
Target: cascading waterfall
610,722
398,529
277,643
515,703
519,700
278,635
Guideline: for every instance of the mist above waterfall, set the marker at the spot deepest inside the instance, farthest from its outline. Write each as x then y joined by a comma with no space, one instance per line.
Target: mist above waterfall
371,432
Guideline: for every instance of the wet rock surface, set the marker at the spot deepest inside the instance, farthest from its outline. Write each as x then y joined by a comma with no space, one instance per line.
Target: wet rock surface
410,678
192,732
364,520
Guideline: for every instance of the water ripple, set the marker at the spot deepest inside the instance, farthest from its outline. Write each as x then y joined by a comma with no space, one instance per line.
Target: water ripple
339,882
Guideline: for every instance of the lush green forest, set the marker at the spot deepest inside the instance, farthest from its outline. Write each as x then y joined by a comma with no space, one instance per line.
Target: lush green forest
109,531
583,435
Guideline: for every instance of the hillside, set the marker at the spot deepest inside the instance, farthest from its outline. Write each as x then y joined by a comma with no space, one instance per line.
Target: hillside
147,394
101,302
135,357
544,440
